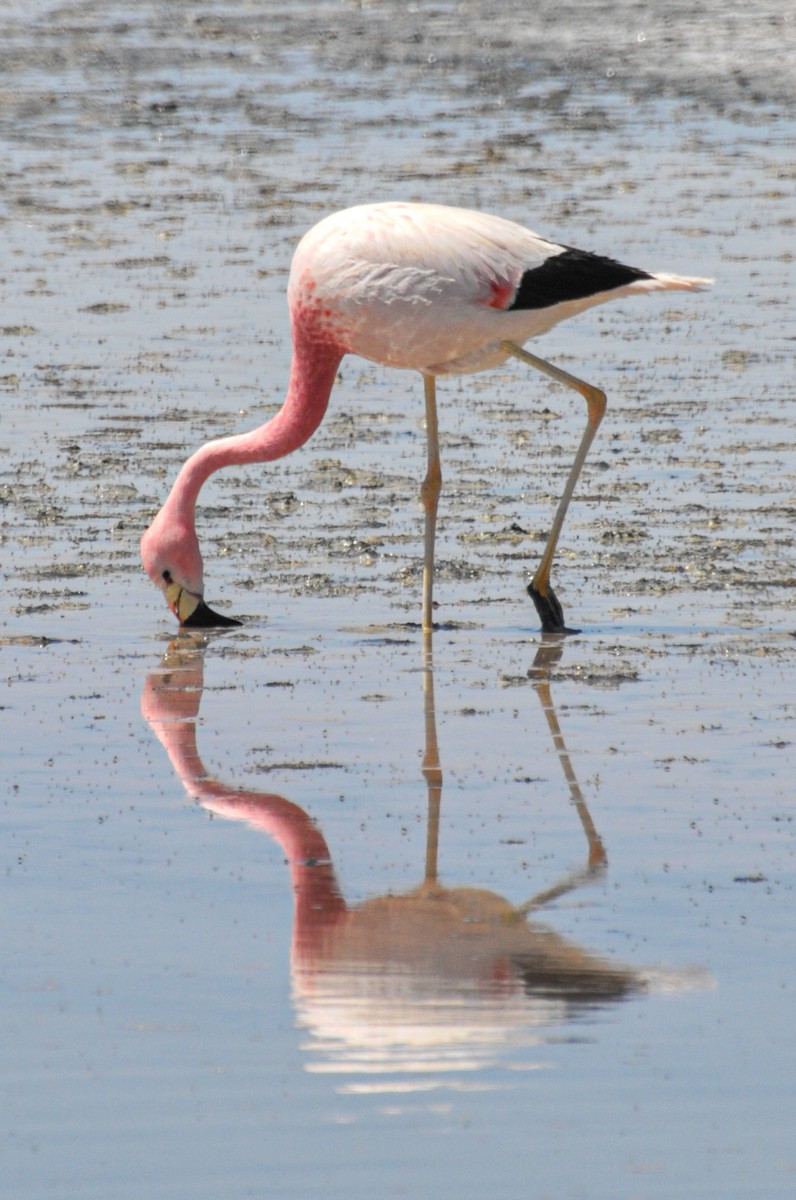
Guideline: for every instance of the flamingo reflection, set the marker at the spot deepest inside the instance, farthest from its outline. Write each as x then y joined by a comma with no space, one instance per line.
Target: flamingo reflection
434,979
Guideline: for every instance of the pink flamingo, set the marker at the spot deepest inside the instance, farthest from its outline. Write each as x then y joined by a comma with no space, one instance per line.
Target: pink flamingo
443,291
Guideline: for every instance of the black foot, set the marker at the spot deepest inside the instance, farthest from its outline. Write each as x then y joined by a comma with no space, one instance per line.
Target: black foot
204,617
551,614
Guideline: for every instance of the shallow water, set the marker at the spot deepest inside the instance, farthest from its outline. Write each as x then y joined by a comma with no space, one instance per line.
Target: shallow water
293,909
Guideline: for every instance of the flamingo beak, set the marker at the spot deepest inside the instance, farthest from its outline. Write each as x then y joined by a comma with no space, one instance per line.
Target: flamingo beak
192,612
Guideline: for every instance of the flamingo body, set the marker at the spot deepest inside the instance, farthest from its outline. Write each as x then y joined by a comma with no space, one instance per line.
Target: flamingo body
440,290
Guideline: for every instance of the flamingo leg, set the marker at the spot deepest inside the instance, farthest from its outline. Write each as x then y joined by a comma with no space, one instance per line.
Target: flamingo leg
547,606
429,495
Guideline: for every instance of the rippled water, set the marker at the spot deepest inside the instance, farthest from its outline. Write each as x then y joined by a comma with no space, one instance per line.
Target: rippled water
300,909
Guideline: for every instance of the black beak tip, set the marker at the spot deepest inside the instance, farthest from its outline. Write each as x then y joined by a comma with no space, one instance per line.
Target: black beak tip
204,617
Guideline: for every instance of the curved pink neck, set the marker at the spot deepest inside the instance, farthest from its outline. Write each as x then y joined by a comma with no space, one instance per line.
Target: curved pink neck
312,374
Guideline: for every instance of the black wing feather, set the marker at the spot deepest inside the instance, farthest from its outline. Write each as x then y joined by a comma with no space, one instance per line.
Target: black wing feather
572,275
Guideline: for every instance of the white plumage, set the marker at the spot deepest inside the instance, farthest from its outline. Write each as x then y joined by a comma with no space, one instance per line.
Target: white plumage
430,287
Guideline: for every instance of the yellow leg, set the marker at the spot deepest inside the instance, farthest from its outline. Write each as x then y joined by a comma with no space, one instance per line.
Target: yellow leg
543,596
429,494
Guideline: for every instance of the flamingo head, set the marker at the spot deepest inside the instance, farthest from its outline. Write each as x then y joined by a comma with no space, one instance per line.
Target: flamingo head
173,561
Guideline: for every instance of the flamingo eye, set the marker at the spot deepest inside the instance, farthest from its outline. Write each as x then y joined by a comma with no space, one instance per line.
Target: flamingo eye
167,576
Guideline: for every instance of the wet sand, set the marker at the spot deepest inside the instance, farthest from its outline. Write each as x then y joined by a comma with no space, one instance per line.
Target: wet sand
175,1022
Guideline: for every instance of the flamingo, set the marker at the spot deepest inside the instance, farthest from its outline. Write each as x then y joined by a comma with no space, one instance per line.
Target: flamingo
440,290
